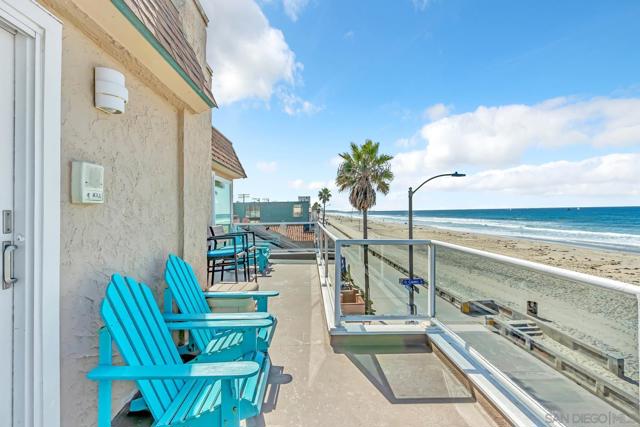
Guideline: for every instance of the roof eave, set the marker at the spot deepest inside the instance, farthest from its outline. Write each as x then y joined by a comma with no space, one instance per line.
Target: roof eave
227,172
208,100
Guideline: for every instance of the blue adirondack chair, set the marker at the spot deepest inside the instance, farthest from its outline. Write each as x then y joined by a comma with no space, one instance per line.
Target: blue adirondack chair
183,287
196,394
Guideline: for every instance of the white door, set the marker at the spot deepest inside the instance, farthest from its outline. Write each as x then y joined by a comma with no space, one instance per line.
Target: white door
7,85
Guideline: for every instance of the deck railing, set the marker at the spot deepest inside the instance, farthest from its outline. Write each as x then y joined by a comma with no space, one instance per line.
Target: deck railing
341,263
283,237
583,326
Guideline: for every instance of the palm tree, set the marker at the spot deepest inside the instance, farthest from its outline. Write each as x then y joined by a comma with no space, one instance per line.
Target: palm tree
324,195
364,172
315,209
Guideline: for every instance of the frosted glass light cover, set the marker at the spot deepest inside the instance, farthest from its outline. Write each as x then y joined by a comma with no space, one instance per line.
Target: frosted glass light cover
111,95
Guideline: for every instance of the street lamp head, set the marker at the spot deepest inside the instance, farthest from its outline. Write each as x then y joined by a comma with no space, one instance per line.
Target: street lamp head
457,175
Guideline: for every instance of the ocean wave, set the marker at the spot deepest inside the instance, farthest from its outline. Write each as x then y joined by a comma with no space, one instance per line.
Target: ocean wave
537,230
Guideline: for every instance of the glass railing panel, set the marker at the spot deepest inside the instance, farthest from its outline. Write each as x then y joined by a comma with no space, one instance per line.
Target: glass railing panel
382,294
536,326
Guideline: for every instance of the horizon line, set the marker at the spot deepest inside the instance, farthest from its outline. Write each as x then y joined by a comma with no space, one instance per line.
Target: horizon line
486,209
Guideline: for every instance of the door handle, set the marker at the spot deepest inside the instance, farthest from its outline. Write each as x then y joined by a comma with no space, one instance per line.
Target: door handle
7,266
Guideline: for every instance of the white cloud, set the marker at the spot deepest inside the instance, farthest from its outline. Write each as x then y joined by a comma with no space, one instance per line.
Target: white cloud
404,142
408,142
299,184
293,8
603,176
296,184
318,185
496,141
493,137
409,162
267,167
436,112
349,35
249,57
293,105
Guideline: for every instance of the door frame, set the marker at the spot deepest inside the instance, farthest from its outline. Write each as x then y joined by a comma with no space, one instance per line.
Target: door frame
36,387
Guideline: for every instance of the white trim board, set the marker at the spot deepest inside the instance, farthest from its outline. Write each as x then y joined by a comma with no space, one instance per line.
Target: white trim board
37,197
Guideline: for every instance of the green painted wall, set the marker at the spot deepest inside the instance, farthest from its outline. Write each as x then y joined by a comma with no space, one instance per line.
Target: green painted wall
271,211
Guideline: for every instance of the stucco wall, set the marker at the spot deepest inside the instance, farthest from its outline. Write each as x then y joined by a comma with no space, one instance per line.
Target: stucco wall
146,214
197,196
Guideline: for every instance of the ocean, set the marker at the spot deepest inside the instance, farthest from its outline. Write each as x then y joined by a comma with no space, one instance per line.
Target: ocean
616,228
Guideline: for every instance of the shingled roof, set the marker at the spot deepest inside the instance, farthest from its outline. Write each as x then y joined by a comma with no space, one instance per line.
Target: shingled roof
224,154
162,19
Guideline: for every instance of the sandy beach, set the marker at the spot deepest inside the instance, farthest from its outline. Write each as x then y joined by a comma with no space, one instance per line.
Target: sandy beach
621,266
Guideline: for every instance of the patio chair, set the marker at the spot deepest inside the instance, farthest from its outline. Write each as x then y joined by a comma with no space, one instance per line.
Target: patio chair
177,394
226,257
262,249
183,287
244,239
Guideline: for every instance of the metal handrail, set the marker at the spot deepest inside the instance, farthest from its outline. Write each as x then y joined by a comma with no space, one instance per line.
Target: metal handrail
382,242
584,278
327,232
322,248
244,224
372,242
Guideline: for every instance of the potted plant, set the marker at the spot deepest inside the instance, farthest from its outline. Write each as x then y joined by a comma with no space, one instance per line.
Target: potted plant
351,300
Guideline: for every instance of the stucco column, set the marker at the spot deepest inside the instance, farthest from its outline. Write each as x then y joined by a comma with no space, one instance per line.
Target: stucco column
195,158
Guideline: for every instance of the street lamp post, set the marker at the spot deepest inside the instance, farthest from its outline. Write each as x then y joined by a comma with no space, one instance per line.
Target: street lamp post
412,306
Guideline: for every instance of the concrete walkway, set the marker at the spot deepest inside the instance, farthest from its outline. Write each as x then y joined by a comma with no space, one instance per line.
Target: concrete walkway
313,383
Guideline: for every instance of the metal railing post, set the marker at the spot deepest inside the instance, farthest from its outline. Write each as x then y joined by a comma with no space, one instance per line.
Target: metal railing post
326,258
431,307
337,285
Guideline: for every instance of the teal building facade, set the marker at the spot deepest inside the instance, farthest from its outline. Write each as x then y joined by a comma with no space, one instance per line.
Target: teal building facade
270,212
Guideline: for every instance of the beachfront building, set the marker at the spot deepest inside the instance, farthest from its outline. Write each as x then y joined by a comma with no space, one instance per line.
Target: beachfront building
106,148
225,168
272,212
106,106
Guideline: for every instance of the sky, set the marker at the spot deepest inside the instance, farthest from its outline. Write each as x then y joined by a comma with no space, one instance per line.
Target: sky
538,102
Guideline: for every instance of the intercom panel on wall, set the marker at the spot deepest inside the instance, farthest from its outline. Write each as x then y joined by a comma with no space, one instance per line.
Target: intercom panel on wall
87,183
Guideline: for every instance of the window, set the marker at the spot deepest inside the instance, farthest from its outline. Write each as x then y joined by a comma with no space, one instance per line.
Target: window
253,211
222,192
297,211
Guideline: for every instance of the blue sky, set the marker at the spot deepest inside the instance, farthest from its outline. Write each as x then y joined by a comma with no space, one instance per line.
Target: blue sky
538,101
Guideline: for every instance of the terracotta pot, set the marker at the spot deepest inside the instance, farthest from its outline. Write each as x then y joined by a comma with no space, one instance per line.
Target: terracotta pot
351,302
